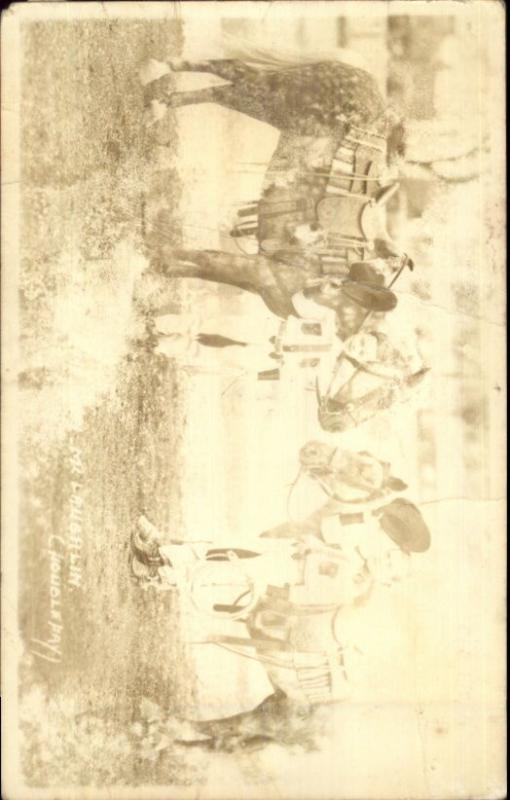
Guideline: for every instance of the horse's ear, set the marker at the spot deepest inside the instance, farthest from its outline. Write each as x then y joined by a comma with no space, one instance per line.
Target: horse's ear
418,377
395,484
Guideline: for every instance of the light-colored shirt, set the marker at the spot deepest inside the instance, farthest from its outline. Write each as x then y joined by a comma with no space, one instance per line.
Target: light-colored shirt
366,543
299,341
306,308
308,339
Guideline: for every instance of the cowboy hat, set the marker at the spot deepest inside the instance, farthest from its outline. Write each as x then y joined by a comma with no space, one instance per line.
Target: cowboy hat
402,521
365,286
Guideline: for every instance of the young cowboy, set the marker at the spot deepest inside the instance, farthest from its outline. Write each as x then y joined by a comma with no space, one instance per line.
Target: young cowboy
317,316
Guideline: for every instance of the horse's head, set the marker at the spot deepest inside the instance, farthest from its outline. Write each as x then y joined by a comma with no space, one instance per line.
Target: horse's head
315,456
347,475
362,475
373,374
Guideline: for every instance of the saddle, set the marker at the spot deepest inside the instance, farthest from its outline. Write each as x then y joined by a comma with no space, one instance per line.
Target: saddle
351,210
345,204
354,217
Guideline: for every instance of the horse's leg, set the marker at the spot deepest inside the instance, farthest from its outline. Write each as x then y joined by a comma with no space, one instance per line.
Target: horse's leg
252,273
163,90
274,283
229,69
211,94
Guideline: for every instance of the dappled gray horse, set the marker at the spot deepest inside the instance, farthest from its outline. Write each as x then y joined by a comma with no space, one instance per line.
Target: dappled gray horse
277,282
325,102
322,201
308,99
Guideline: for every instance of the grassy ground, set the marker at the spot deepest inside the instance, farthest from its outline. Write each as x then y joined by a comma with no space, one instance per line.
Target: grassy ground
102,416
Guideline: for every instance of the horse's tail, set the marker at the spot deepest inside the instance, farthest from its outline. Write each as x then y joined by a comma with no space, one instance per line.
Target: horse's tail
275,58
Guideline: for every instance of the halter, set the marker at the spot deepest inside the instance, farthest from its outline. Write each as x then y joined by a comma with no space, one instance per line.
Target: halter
369,498
373,495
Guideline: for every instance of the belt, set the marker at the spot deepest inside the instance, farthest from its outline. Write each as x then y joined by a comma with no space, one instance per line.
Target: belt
358,517
306,348
280,348
352,519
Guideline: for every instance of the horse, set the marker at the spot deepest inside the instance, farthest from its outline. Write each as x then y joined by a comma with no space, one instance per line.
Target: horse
304,97
334,129
366,381
322,203
366,378
298,630
356,488
348,476
349,483
321,206
295,626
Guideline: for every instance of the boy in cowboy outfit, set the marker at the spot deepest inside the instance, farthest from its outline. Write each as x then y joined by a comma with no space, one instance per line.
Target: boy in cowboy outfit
316,318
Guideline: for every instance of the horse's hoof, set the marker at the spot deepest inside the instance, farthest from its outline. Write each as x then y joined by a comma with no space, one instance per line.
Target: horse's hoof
176,64
158,266
154,113
151,70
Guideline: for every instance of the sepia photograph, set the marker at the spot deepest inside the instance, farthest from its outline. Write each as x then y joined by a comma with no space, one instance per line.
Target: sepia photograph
253,400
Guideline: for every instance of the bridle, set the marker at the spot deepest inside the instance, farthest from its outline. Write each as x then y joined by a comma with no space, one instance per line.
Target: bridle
323,400
372,495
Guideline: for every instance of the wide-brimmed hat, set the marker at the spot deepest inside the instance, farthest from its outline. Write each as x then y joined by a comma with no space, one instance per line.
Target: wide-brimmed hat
365,286
402,521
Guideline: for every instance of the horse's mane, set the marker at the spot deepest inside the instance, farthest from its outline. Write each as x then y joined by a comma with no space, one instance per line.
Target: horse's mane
276,58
